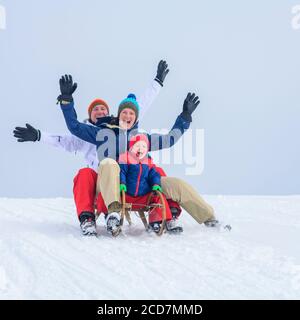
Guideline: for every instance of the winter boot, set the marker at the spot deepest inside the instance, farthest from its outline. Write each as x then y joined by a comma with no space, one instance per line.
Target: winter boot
154,227
212,223
88,224
172,226
217,225
174,212
113,223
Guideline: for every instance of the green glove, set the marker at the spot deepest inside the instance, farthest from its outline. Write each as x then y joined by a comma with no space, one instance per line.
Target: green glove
123,187
157,188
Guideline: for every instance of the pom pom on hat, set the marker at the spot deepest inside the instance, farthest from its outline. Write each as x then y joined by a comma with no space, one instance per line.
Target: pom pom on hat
132,96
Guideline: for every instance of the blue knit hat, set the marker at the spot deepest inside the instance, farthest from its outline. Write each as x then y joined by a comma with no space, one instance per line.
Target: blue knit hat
131,103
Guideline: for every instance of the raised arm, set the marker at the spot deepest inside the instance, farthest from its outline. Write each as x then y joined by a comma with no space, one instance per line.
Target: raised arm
67,142
81,130
27,134
182,123
146,99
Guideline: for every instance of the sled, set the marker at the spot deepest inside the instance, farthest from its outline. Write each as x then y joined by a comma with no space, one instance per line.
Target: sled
141,209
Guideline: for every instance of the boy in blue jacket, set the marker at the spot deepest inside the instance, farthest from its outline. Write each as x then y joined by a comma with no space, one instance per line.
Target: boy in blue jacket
139,177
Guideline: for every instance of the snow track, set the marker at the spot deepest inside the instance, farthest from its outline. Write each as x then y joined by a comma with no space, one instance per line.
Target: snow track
44,256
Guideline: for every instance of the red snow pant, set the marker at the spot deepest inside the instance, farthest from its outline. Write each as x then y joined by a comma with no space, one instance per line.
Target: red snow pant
138,203
84,191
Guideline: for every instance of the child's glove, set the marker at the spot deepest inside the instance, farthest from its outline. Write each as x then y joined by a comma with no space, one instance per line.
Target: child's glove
157,188
123,187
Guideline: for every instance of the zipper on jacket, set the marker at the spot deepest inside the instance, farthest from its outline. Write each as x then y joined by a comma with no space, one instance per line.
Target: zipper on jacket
138,182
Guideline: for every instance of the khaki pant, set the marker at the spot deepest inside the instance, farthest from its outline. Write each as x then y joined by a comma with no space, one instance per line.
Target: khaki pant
188,198
108,184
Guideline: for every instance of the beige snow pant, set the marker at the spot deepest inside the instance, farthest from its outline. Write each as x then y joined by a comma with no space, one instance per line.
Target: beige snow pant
108,184
188,198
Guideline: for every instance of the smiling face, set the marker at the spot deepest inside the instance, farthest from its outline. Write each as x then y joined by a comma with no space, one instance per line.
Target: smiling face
139,149
98,111
127,118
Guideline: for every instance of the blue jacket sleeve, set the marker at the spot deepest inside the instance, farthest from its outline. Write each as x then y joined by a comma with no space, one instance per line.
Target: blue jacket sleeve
81,130
123,173
164,141
154,177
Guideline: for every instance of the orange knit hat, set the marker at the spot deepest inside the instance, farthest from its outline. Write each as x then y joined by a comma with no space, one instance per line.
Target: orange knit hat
97,102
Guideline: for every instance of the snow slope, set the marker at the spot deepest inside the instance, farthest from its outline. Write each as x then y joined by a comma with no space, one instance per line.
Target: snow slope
44,256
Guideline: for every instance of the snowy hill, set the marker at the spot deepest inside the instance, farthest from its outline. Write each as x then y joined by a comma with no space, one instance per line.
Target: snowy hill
44,256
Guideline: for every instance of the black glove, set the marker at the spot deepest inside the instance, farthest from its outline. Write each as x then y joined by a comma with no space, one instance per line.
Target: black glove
190,104
67,88
162,71
27,134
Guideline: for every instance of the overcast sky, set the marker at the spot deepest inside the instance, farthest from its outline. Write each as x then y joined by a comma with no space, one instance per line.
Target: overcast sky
241,57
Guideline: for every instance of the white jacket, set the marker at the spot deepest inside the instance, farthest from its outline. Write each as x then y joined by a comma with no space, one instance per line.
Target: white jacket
71,143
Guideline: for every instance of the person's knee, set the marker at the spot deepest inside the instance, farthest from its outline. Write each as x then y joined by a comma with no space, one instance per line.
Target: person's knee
108,162
85,173
108,165
172,181
174,186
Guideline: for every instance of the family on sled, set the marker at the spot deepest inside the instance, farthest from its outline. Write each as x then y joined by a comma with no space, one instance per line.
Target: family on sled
118,159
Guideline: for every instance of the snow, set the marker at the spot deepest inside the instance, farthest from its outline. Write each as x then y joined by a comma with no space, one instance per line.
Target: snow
44,256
